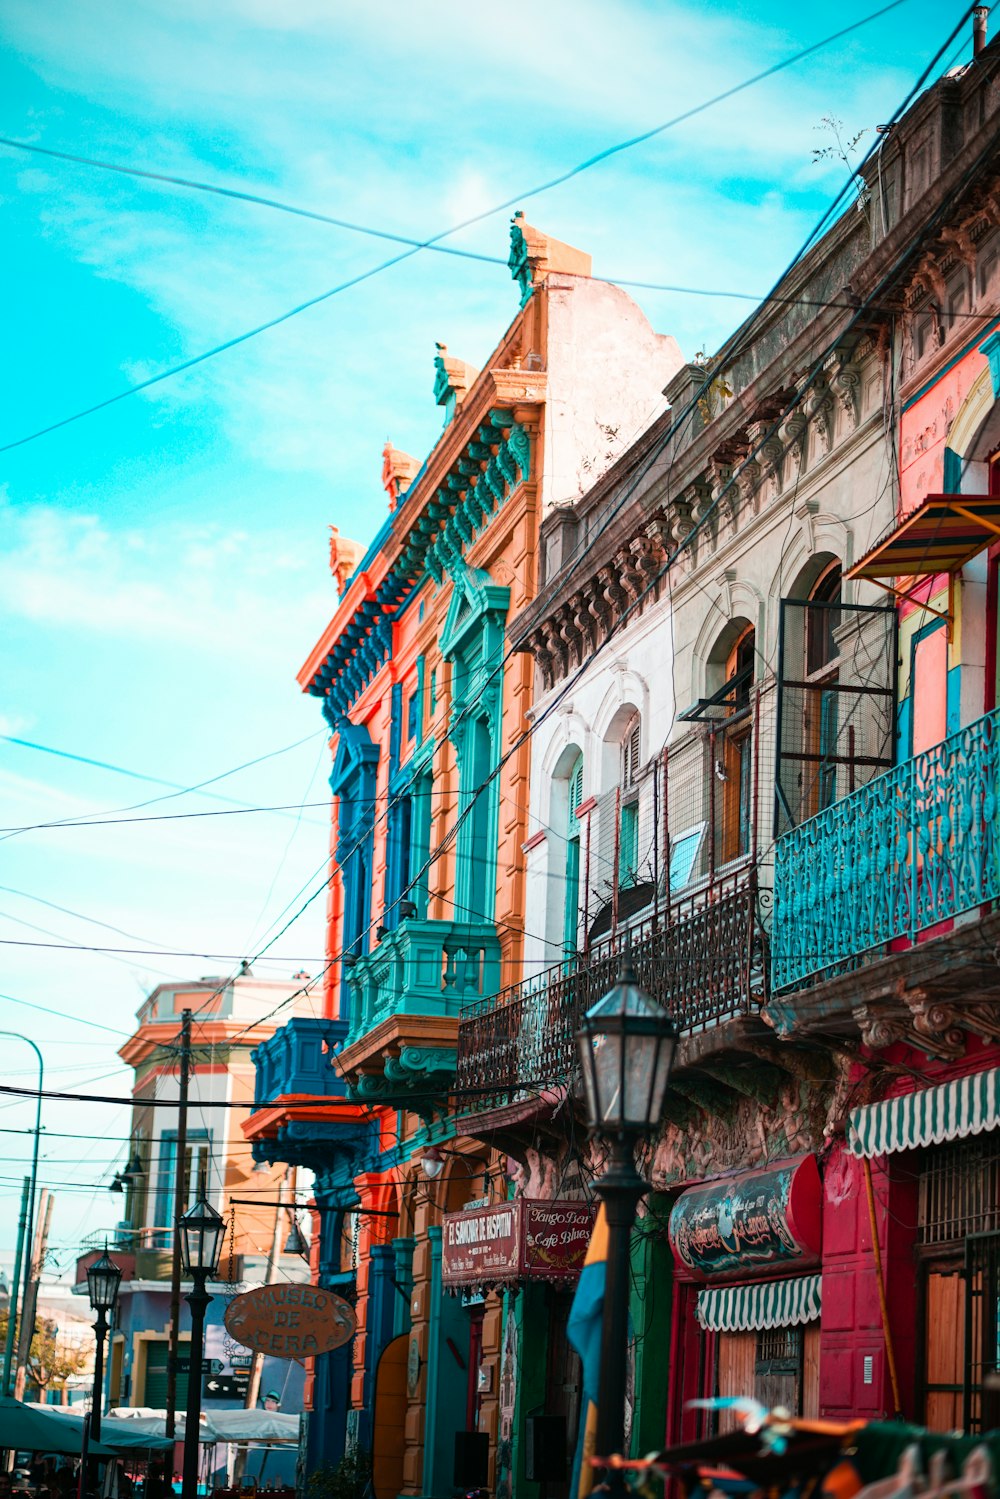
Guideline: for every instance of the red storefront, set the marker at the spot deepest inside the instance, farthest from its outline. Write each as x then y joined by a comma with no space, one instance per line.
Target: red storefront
747,1294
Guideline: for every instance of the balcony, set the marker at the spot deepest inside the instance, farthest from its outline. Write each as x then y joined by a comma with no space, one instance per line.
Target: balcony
407,995
296,1073
705,961
297,1060
890,863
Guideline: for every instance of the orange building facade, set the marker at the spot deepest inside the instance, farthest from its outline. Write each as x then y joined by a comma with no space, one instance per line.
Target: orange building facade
429,711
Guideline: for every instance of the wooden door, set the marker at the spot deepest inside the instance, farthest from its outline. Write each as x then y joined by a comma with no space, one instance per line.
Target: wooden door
944,1348
737,1355
388,1445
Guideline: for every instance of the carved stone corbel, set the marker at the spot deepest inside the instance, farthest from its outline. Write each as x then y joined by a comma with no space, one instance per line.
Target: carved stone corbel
648,557
958,237
582,619
680,520
820,409
555,646
543,658
844,378
568,631
613,590
937,1027
794,430
629,575
748,481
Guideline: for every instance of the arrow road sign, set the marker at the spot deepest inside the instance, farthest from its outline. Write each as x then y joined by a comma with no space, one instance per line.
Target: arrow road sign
225,1386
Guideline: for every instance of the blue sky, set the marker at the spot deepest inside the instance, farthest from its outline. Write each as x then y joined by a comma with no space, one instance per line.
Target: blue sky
163,564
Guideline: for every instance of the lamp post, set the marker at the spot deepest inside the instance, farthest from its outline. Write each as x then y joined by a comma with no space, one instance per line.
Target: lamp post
202,1231
103,1279
627,1045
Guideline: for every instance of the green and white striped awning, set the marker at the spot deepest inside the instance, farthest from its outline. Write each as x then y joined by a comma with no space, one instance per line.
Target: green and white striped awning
773,1303
967,1106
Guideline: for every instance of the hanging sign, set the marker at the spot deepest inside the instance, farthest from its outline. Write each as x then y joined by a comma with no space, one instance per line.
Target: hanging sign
526,1239
760,1220
290,1321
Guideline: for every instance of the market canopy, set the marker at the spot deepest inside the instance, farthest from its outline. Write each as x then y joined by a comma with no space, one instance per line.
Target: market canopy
33,1428
944,533
965,1106
771,1303
237,1425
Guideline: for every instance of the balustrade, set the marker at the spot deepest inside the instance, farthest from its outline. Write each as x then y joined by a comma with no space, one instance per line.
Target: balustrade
914,848
298,1059
704,961
423,968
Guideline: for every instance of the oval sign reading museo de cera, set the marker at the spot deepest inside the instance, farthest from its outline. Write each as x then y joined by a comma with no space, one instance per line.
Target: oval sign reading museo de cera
290,1321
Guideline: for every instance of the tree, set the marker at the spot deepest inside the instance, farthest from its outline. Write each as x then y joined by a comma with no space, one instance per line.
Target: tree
51,1360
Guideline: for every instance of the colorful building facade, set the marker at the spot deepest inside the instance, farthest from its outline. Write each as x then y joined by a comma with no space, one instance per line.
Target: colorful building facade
793,834
428,710
230,1016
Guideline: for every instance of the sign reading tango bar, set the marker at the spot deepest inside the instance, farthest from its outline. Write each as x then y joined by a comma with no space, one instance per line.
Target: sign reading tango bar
768,1220
525,1239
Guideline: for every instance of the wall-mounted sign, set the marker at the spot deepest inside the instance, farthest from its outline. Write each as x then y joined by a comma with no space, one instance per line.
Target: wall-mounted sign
760,1220
526,1239
290,1321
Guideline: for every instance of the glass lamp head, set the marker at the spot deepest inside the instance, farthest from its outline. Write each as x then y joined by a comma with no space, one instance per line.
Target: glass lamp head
202,1231
103,1279
627,1045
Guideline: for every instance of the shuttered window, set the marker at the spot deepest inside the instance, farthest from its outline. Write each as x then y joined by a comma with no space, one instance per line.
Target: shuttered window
630,757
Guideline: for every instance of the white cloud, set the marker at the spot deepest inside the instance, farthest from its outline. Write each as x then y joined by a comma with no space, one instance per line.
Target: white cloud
224,593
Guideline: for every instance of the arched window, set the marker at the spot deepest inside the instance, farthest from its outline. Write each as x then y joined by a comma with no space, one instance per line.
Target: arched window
734,765
571,908
823,619
628,829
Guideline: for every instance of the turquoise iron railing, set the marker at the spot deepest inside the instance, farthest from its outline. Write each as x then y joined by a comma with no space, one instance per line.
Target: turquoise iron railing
423,968
913,848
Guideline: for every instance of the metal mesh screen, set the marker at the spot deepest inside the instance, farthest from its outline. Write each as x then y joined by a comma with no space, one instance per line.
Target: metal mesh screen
836,703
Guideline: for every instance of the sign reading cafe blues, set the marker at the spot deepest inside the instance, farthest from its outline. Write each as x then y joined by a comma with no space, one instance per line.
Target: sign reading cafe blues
759,1220
517,1240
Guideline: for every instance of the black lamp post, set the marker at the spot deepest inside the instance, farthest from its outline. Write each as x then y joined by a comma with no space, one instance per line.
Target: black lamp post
103,1279
202,1231
627,1045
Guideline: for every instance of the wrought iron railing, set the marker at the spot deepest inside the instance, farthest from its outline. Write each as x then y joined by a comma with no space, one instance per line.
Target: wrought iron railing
908,851
705,961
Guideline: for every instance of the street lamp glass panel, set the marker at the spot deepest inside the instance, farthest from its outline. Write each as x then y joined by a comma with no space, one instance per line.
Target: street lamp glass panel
627,1045
202,1231
432,1162
103,1279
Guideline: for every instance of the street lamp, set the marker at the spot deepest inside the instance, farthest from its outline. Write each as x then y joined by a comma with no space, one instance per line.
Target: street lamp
627,1046
201,1231
103,1279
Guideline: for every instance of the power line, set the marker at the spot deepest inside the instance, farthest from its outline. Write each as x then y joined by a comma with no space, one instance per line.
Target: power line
244,196
64,1015
177,790
434,240
739,341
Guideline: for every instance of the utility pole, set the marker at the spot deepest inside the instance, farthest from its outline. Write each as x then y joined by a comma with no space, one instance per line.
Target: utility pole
30,1303
180,1204
15,1286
